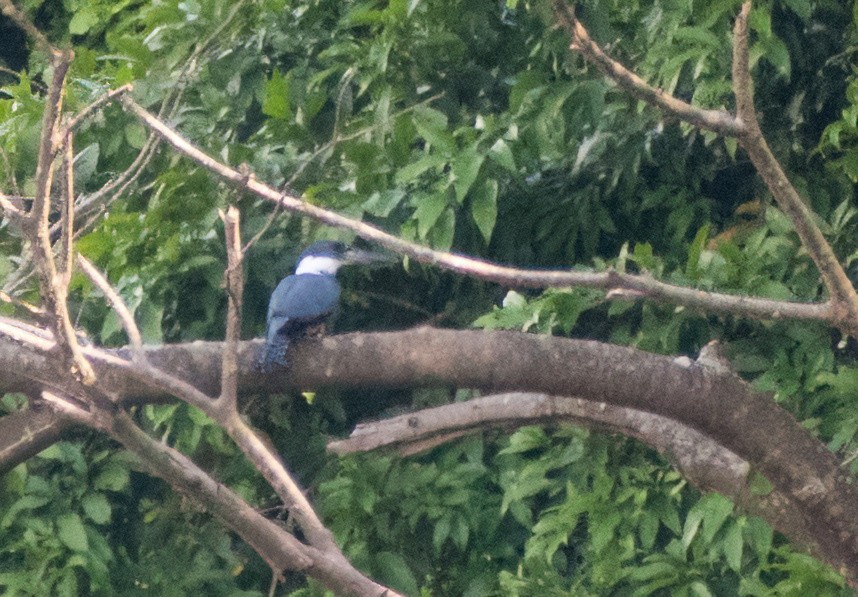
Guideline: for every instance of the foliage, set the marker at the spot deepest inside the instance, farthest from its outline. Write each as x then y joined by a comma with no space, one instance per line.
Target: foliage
463,125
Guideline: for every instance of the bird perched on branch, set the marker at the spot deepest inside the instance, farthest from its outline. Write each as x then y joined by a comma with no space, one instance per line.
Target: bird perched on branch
303,302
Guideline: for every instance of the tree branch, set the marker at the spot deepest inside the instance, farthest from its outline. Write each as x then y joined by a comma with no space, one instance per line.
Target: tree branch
234,280
843,296
718,121
703,462
716,404
477,268
276,546
843,307
10,10
117,304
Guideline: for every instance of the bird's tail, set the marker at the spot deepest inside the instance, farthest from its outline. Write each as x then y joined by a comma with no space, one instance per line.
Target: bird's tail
273,354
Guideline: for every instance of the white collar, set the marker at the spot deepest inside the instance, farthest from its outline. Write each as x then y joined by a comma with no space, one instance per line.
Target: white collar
320,266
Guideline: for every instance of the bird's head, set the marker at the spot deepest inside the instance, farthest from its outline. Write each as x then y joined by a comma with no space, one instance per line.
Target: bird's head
325,257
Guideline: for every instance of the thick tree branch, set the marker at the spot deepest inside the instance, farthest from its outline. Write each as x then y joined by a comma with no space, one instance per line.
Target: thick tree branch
716,404
703,462
477,268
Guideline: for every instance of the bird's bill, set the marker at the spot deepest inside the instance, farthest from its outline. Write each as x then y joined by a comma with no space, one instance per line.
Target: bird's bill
354,255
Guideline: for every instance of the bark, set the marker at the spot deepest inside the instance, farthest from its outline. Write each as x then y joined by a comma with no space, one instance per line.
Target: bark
717,404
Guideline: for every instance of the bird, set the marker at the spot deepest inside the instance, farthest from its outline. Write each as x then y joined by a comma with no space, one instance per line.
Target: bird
304,301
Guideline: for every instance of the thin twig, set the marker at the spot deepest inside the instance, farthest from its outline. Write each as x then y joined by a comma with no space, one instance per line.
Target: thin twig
98,103
329,146
117,304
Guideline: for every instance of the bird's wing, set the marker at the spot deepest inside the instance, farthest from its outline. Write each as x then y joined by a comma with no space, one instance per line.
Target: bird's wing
305,297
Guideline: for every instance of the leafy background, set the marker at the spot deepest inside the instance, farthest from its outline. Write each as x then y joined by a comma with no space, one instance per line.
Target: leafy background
466,126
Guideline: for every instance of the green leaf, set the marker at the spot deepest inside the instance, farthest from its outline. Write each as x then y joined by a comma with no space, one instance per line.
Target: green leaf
733,545
526,439
72,533
276,103
484,207
83,20
429,209
413,170
441,532
716,509
800,7
85,163
465,168
432,126
692,525
380,204
114,477
694,252
394,571
501,153
96,507
441,235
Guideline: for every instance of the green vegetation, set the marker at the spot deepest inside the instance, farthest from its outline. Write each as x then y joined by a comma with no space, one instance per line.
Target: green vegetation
462,125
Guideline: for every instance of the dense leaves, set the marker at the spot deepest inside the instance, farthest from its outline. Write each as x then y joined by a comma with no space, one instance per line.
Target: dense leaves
463,125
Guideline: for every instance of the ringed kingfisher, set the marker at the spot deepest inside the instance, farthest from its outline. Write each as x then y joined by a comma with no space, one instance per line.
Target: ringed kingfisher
303,301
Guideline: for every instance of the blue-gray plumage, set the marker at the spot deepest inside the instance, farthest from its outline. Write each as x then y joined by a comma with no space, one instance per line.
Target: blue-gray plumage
302,302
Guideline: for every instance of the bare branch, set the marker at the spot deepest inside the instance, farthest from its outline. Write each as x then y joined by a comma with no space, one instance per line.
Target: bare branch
69,410
702,461
53,284
843,296
719,121
264,456
276,546
99,102
508,276
117,304
67,220
235,288
842,311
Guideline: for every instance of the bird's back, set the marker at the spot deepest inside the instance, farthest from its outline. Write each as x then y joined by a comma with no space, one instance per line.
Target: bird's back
304,298
300,302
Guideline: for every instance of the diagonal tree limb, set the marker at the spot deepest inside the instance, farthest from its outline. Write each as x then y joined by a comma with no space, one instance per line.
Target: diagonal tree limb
10,10
745,128
703,462
508,276
718,121
843,296
716,404
117,304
